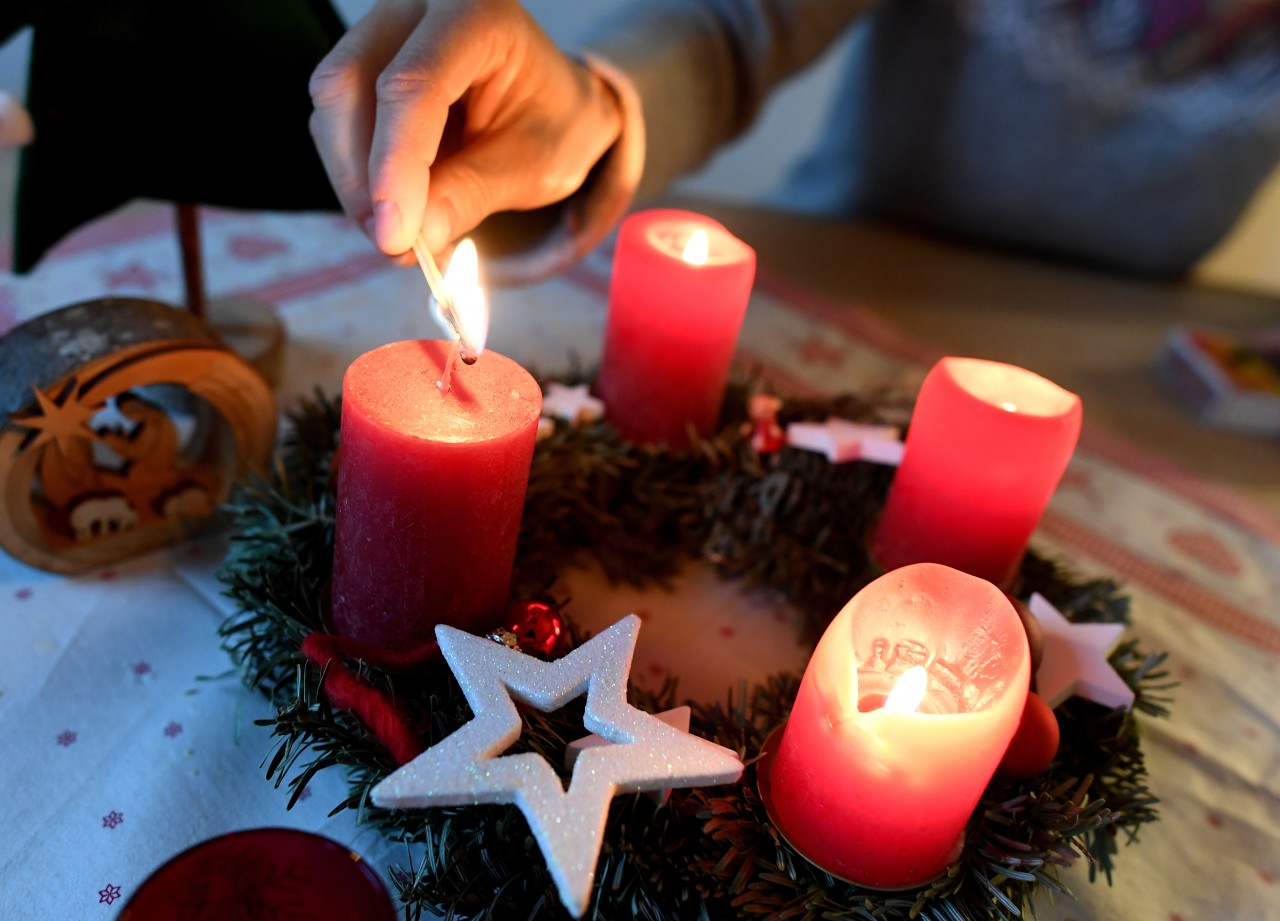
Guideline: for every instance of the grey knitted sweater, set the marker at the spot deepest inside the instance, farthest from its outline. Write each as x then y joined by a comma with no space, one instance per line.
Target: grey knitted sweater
1125,132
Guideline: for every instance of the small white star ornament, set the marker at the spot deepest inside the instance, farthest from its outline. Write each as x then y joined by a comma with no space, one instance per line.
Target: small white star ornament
843,441
465,768
574,405
1075,659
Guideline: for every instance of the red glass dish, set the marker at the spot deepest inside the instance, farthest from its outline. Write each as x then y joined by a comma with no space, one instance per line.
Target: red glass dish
279,874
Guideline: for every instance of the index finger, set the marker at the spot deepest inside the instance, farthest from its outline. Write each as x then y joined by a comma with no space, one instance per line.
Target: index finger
451,49
342,94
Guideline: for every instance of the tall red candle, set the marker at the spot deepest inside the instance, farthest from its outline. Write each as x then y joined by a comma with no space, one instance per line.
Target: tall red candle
987,446
879,793
431,486
674,318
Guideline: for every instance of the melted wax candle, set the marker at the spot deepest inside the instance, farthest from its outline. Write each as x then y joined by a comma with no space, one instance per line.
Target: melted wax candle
903,714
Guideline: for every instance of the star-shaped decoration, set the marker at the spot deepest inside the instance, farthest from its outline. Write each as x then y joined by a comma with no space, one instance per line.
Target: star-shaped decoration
133,275
465,768
843,441
574,405
677,718
1075,659
59,419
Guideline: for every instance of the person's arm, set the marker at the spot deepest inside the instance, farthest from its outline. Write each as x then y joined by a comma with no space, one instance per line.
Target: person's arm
690,75
430,117
701,69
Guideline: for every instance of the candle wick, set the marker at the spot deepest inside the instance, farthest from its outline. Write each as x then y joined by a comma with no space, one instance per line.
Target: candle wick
444,382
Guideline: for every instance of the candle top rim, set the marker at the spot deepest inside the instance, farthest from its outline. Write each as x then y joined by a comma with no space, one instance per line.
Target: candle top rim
951,620
665,231
395,387
1008,388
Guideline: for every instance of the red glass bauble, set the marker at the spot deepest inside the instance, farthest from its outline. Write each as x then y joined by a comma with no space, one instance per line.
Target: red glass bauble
538,628
1035,743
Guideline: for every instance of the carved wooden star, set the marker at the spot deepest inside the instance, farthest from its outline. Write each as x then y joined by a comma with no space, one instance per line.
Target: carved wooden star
465,768
1075,659
843,441
62,420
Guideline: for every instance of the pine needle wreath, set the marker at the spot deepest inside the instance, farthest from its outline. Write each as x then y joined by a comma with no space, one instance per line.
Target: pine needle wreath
789,522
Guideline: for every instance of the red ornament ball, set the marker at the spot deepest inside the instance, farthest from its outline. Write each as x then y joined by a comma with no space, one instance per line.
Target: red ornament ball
1035,636
1035,743
537,627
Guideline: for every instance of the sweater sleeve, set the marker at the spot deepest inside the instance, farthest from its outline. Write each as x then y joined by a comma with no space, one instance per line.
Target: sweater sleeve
701,69
689,75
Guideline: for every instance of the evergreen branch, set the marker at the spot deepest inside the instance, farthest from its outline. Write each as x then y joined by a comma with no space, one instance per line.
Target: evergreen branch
789,523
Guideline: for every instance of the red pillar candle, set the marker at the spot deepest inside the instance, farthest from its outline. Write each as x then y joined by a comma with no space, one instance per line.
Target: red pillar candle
987,446
432,469
431,487
674,317
876,789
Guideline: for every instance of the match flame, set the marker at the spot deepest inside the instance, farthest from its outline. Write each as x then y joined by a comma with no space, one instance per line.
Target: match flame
909,691
462,280
697,248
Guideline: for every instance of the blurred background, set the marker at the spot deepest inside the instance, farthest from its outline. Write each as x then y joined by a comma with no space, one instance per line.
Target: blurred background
750,169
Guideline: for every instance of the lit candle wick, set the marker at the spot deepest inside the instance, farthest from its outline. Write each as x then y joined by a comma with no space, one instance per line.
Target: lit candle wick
444,382
697,248
909,691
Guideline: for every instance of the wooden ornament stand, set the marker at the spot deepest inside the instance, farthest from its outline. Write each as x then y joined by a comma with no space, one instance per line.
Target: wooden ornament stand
123,423
249,327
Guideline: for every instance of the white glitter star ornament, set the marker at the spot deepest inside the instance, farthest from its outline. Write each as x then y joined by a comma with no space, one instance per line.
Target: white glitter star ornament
1075,659
574,405
464,768
843,441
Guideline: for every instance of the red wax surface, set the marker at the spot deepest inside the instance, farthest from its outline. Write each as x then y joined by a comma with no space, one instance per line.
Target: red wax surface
987,446
430,491
672,326
879,797
263,874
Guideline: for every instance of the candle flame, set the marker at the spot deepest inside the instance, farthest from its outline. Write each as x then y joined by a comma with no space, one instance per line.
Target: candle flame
697,248
909,691
462,279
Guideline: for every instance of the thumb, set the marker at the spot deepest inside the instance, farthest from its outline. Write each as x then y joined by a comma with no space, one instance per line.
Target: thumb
494,173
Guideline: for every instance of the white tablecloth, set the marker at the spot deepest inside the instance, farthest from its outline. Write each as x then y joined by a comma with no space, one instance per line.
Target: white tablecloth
127,738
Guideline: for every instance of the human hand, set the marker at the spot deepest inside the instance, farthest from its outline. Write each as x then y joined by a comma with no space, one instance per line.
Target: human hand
431,116
16,129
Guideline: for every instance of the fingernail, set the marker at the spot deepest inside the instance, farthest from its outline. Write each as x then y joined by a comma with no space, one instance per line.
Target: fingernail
387,225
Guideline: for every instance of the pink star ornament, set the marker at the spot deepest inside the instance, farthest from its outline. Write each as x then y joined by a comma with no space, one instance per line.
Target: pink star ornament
843,441
467,768
1075,659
